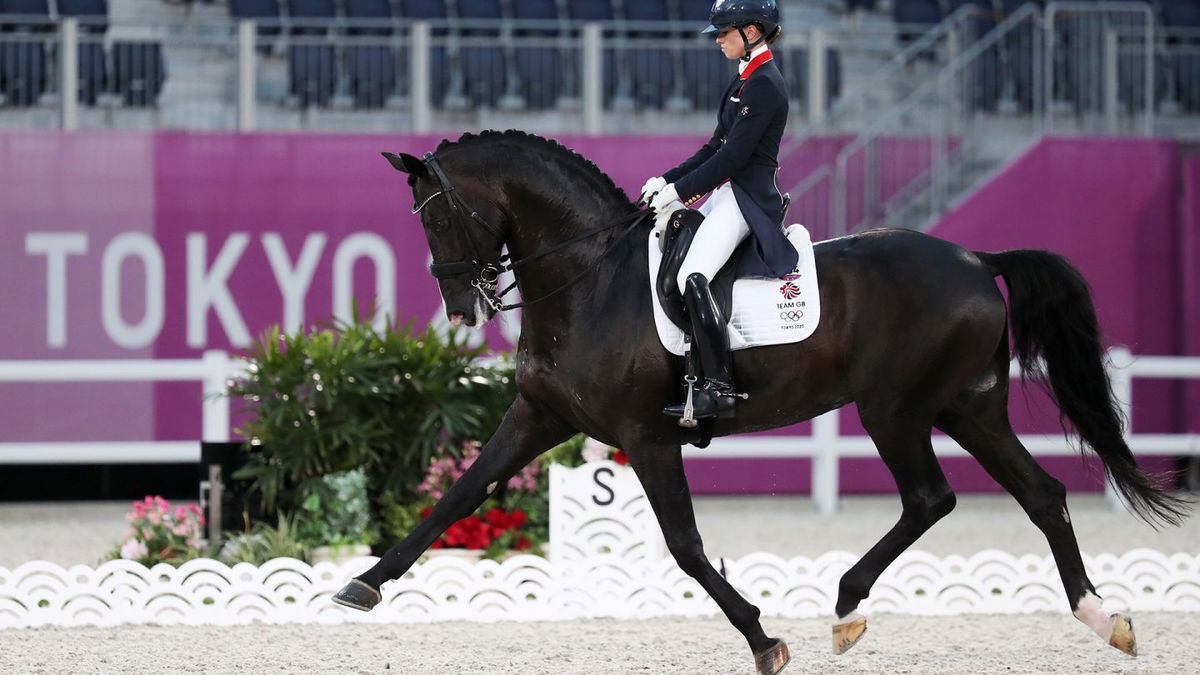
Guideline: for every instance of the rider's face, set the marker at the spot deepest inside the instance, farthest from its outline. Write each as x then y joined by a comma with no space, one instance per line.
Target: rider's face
731,43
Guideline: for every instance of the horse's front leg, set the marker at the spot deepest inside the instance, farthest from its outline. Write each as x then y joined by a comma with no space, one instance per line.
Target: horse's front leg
526,431
660,470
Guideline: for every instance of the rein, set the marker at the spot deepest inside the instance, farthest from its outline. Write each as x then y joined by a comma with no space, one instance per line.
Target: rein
485,274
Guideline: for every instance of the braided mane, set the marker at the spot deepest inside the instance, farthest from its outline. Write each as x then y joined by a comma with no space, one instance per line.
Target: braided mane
561,151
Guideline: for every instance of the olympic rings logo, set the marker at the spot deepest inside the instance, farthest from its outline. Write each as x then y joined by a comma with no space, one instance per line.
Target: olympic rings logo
793,316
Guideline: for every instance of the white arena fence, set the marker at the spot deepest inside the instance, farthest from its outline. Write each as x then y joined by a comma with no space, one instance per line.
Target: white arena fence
825,446
606,559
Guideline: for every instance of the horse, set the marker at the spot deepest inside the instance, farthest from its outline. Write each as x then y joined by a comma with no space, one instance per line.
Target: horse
914,330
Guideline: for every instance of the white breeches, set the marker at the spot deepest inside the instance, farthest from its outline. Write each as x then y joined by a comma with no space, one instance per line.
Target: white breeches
716,238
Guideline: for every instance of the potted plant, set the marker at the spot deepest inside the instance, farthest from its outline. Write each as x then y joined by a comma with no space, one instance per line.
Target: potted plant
334,521
159,533
349,396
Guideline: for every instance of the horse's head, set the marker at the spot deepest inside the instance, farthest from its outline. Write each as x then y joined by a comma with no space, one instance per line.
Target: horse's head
463,228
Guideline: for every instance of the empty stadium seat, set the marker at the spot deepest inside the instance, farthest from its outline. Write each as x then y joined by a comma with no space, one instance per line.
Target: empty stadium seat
483,67
265,12
601,11
650,70
539,68
23,72
93,72
138,72
93,14
30,16
312,74
705,71
1181,18
795,71
371,71
372,13
310,17
915,17
439,65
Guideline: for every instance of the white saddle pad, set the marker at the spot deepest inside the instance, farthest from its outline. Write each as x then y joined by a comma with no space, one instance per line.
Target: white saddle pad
765,311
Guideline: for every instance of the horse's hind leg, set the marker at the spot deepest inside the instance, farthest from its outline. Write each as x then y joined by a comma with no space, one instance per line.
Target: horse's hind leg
660,470
904,445
978,421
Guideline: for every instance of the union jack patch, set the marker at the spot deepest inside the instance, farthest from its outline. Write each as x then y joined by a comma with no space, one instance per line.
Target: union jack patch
744,111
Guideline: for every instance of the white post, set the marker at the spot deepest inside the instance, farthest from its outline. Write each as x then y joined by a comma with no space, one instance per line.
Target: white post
1110,81
825,464
214,424
592,78
1121,375
421,94
69,72
246,75
817,88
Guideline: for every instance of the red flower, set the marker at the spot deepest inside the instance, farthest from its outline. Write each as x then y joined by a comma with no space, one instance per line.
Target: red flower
620,458
523,544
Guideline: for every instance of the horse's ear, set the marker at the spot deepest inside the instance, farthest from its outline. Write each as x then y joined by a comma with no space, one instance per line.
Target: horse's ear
407,163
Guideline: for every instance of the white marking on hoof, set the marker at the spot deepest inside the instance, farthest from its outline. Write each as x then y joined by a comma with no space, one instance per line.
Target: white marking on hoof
1093,616
848,631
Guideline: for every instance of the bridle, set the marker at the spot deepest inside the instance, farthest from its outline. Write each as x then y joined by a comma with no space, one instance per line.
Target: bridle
485,273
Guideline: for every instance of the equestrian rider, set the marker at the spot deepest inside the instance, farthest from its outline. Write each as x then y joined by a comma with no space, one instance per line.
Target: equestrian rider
739,165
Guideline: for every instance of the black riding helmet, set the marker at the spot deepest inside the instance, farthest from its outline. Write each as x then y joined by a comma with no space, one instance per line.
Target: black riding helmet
741,13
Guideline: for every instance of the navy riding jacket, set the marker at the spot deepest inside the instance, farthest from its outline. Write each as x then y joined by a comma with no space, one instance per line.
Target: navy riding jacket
744,149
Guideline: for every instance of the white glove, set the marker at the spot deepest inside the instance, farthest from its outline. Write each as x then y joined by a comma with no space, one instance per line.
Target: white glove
662,201
651,188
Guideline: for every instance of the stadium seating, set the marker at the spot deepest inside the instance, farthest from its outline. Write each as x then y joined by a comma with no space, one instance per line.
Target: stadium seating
706,72
483,67
984,78
795,71
23,72
651,71
266,12
539,69
139,72
1183,18
93,14
372,71
33,16
439,65
602,11
373,13
93,72
1019,46
310,17
914,17
312,74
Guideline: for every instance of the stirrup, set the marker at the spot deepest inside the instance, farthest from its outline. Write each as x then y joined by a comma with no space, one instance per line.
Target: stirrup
718,403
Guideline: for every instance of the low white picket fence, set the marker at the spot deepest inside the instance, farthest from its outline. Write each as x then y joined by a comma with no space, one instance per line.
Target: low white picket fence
606,560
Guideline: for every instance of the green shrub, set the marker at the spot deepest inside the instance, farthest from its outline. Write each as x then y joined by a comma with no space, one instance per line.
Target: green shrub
351,397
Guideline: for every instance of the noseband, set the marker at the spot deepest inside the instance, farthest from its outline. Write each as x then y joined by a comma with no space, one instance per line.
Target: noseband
485,273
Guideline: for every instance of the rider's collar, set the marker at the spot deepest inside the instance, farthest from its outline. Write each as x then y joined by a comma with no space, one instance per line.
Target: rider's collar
760,55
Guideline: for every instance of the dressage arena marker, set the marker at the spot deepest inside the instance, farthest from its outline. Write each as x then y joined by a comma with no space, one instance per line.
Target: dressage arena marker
606,560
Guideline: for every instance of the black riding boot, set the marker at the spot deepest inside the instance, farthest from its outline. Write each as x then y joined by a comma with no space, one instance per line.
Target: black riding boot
711,341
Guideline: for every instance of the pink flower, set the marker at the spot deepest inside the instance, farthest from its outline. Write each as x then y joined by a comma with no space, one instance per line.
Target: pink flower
182,529
148,534
154,517
594,451
180,513
133,550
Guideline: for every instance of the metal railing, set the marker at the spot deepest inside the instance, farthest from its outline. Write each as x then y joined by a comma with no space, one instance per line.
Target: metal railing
1078,67
384,75
213,371
826,446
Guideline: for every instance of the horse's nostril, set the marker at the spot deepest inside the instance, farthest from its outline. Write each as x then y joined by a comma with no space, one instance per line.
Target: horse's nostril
456,319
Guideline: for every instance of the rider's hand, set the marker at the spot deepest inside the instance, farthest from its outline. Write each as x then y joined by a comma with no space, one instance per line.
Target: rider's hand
651,188
662,201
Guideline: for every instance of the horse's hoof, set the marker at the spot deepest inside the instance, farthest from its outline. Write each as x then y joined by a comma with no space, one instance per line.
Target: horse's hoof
846,635
1122,635
772,659
357,595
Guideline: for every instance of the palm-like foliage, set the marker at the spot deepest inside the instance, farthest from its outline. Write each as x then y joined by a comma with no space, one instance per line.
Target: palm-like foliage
350,396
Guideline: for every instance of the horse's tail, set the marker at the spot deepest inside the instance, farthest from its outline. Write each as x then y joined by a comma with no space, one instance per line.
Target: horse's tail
1053,318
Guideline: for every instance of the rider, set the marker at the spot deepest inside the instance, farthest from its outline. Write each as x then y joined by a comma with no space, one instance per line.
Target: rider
740,162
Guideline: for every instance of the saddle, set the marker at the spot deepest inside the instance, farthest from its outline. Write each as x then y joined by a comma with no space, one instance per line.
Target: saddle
676,242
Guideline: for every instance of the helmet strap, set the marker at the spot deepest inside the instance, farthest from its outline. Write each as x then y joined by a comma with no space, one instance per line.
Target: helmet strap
747,45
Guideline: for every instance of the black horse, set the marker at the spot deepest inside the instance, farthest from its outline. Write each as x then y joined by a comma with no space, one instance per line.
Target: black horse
913,331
